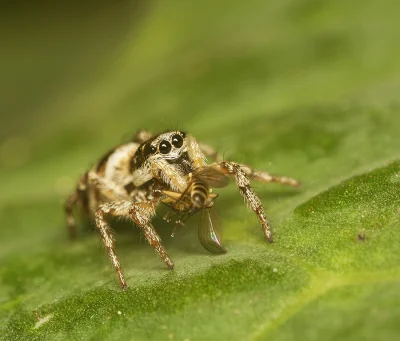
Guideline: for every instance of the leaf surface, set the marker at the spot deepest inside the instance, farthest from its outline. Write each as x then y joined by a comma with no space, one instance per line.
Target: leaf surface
280,86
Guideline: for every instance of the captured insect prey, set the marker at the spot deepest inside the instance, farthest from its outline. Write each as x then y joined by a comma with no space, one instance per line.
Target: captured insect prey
132,179
198,197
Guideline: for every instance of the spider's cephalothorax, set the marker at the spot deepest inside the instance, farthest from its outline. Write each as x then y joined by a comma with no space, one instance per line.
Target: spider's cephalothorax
168,157
132,179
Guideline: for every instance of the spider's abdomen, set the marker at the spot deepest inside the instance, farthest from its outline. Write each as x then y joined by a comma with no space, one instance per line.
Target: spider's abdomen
115,165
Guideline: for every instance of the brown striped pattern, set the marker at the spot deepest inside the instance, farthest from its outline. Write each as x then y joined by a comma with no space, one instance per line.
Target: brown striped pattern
248,194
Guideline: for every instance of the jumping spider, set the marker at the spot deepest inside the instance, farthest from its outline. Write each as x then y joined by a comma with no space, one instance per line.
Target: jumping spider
132,179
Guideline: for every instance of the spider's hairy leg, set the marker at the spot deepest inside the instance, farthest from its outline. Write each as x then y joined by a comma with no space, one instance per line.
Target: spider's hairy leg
141,136
175,178
253,174
68,207
267,178
79,196
251,199
106,187
120,208
141,213
195,152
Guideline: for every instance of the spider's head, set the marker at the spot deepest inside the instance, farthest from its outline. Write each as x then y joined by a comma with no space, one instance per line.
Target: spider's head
169,146
164,153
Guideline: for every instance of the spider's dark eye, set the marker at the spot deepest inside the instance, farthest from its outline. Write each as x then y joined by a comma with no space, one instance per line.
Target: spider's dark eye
148,149
177,141
164,147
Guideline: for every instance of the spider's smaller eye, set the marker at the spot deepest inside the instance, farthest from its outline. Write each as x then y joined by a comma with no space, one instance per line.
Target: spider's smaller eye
164,147
177,141
148,149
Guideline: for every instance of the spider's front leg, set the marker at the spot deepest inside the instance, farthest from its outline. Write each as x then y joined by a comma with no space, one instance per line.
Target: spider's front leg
251,199
140,213
267,178
253,174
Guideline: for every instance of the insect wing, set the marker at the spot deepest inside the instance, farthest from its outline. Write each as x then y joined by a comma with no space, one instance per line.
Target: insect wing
212,177
209,231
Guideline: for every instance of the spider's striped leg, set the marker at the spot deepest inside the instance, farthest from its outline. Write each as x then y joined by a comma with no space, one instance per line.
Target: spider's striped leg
251,199
121,208
266,177
79,196
107,188
68,208
141,213
253,174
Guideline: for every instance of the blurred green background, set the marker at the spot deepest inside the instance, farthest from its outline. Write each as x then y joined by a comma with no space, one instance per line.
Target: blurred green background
304,88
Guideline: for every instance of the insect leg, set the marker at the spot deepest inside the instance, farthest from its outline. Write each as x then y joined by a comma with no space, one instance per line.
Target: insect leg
251,199
141,214
121,208
266,177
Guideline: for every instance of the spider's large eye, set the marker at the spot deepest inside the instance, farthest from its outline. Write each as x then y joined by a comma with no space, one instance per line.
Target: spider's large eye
164,147
177,141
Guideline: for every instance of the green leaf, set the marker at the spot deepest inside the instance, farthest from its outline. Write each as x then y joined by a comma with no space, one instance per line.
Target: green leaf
307,89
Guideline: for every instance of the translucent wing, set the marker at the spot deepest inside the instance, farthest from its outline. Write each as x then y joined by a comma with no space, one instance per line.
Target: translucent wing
209,231
212,177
